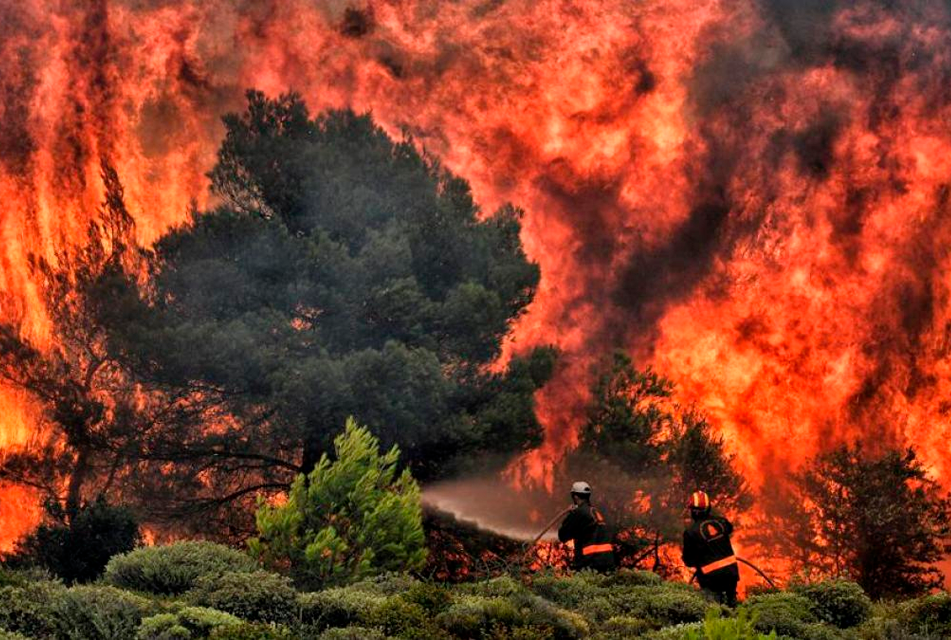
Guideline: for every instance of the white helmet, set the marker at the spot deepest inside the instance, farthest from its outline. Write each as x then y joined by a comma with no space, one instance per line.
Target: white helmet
581,489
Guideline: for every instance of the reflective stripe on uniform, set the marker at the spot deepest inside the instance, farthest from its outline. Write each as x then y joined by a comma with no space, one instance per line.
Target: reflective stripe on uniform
596,548
719,564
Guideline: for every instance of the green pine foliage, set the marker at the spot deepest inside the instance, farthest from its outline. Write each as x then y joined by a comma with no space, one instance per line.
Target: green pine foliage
352,516
716,627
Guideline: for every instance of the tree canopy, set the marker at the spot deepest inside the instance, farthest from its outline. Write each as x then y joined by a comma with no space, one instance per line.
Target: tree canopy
345,273
876,518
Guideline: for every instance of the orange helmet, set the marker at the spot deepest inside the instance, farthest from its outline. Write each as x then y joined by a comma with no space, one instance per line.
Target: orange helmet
699,500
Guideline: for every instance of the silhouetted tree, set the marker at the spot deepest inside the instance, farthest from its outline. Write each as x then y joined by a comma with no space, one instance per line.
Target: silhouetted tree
89,405
77,547
645,455
877,519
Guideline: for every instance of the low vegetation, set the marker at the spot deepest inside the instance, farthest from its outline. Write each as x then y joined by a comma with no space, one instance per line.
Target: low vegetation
222,603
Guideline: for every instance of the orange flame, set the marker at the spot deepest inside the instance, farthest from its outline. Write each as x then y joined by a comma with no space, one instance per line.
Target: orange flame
757,208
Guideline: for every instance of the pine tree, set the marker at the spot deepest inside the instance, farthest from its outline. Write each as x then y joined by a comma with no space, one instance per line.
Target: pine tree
348,518
877,519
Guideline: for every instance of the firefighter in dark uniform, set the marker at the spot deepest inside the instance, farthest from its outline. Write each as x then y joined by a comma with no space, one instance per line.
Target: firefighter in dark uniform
586,527
708,550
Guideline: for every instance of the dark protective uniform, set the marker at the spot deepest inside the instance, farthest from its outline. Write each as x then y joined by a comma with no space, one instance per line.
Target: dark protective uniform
585,525
707,548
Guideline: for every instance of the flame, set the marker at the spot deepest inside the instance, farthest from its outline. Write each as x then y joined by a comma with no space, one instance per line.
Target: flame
750,195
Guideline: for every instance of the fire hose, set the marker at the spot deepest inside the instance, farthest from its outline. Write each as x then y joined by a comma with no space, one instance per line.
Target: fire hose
751,566
565,511
548,526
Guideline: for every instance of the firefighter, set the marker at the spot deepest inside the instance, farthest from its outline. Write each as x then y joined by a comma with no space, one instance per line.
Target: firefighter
586,527
708,550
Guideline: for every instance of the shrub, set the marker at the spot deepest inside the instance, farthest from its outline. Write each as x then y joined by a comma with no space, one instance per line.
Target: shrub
338,607
163,626
99,613
187,622
674,632
632,578
475,616
10,635
668,604
352,633
9,578
569,591
395,615
260,596
432,598
838,602
624,627
385,584
349,518
252,631
77,548
501,587
31,609
929,614
715,627
785,613
174,569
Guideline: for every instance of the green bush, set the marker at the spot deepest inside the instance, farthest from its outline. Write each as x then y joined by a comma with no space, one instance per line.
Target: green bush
31,609
623,627
838,602
99,613
716,627
386,584
351,633
351,517
77,549
785,613
675,632
338,607
395,616
669,604
260,596
433,598
475,616
252,631
10,635
10,578
174,569
632,578
501,587
569,591
162,626
187,622
929,614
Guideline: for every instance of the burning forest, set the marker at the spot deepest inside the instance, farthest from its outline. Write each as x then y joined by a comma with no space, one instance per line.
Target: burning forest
665,246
